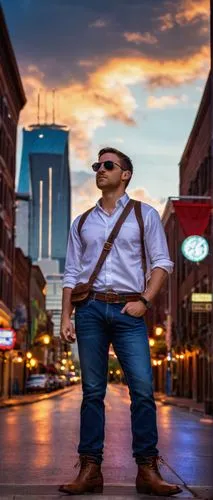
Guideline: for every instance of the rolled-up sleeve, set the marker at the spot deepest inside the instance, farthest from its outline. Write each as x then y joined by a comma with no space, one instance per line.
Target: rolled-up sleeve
156,243
73,257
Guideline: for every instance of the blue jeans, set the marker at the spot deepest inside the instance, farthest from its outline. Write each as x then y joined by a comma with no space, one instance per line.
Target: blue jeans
98,324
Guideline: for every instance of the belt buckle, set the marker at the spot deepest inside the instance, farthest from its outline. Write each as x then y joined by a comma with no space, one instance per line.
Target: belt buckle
107,246
110,295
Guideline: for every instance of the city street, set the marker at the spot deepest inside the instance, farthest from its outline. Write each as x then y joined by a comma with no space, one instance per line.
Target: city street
38,446
106,181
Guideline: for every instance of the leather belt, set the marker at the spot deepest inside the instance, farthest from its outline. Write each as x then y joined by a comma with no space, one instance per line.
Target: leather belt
115,298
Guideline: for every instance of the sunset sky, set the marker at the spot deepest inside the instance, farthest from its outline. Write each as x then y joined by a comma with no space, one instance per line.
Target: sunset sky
126,74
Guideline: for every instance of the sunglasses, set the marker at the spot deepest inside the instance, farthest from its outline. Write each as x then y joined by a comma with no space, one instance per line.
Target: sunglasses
108,165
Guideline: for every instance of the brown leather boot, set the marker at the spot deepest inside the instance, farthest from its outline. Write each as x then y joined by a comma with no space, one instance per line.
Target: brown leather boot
149,479
89,479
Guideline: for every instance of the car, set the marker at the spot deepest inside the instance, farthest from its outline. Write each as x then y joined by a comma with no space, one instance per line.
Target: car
38,382
62,381
59,382
74,379
53,382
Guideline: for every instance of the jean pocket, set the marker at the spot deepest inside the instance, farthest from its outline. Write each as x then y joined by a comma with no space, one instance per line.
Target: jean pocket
134,320
84,304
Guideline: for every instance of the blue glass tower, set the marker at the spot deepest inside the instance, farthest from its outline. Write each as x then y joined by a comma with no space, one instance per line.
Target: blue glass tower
45,175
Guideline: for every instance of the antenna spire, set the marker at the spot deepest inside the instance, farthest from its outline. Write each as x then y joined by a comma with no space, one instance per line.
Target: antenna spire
45,107
38,109
53,96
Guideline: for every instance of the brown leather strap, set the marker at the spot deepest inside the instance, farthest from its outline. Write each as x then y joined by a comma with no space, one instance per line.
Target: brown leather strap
138,214
83,218
108,244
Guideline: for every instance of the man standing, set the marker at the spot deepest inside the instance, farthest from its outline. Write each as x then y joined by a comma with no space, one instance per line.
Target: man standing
114,313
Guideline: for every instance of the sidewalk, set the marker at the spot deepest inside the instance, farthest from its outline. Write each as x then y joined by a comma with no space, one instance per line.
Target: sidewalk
111,492
31,398
185,403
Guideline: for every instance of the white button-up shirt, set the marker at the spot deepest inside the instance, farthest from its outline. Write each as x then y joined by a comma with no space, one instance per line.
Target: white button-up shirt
122,270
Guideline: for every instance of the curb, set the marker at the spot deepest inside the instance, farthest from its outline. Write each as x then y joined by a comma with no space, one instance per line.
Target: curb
42,397
183,406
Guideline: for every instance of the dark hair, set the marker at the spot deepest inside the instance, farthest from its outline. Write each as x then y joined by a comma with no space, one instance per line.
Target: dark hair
126,162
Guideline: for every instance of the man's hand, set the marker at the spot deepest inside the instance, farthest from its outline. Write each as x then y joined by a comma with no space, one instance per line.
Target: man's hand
136,309
67,330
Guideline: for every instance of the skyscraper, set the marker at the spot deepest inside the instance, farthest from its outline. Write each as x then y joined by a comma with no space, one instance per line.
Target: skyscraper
45,174
42,227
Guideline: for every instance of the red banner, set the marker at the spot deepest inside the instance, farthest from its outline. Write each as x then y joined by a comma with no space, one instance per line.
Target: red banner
193,217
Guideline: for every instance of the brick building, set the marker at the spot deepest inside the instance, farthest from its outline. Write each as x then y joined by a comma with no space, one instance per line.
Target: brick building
12,100
191,332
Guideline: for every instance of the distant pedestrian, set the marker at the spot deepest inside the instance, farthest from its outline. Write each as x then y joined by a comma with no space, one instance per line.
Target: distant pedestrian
110,300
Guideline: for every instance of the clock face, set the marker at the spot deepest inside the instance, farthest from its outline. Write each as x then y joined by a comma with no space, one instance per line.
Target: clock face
195,248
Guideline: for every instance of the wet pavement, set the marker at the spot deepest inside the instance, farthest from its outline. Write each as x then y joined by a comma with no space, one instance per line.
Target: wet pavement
38,447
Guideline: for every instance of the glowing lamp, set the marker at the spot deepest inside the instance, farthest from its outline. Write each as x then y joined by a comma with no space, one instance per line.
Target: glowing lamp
151,342
46,339
33,362
158,330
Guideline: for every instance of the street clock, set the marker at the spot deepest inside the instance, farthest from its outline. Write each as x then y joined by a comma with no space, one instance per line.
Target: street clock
195,248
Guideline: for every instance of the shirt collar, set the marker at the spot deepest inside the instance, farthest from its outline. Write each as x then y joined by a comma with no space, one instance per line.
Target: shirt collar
122,201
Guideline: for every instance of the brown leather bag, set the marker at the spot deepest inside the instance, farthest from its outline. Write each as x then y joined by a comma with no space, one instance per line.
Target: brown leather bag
81,291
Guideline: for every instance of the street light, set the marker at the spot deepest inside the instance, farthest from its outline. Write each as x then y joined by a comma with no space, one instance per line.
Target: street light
33,362
18,359
158,330
46,339
151,342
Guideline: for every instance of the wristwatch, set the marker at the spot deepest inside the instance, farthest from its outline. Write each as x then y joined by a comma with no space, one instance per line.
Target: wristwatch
146,302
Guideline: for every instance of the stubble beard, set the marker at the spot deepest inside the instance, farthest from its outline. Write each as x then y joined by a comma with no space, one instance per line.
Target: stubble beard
108,186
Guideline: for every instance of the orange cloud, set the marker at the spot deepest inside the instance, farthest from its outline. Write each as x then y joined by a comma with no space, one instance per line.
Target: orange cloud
191,10
165,101
86,106
143,195
187,12
166,21
140,38
87,194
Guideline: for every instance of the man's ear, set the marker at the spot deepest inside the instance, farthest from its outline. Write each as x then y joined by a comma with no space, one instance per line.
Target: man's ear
126,175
